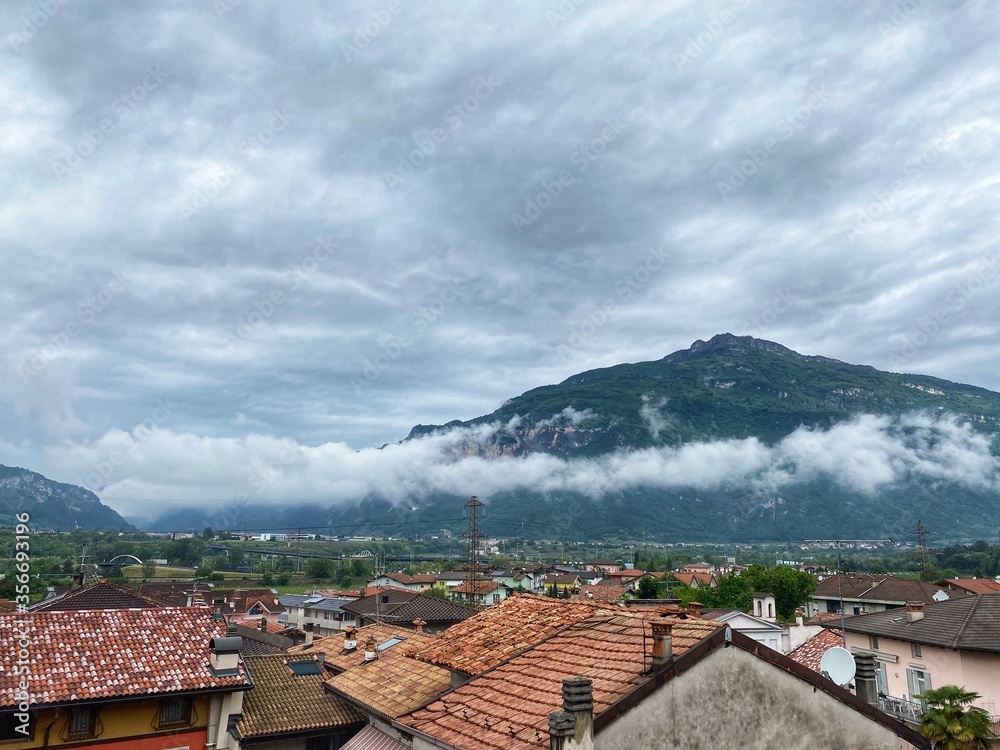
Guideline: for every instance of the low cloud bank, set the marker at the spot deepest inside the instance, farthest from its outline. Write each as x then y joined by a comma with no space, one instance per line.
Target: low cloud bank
149,472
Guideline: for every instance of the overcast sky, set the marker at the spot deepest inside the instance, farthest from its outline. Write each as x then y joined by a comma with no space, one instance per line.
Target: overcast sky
249,225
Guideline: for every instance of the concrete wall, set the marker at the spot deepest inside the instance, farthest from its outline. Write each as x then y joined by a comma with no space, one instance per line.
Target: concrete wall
733,699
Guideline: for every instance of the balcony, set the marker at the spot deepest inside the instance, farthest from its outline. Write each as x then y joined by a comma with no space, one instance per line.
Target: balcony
901,708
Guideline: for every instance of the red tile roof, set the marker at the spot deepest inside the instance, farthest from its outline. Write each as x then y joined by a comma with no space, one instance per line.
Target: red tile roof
391,685
112,653
598,593
976,585
507,707
339,661
505,629
811,652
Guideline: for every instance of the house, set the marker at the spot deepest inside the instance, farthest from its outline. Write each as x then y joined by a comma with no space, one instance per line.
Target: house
699,567
861,593
602,593
621,680
972,586
697,578
289,706
327,616
420,582
810,653
345,652
604,566
483,594
135,679
562,583
401,608
955,642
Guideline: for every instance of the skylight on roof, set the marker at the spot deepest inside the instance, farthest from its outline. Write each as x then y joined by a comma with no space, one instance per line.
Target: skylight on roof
389,643
302,668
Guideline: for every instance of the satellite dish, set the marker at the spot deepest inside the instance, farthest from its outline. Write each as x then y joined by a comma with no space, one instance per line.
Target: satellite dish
838,664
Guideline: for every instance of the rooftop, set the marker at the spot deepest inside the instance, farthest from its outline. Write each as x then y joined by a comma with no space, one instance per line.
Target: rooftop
505,629
100,595
282,701
975,585
339,660
112,653
403,607
879,588
392,684
969,623
810,653
507,707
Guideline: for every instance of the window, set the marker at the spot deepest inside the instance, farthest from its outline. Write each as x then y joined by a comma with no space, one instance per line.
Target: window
873,642
17,726
916,650
82,724
174,712
918,681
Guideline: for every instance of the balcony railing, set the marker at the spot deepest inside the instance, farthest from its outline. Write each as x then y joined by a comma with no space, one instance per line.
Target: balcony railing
901,708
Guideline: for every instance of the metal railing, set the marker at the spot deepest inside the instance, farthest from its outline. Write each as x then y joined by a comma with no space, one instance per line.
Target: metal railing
901,708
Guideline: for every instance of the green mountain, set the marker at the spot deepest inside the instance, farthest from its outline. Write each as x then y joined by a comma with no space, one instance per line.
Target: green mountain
53,505
931,432
730,387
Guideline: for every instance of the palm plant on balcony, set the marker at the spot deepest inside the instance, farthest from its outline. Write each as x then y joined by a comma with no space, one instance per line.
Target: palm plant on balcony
951,722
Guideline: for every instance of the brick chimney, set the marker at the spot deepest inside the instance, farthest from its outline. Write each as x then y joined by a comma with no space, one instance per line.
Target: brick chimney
694,610
309,628
914,611
350,639
370,653
419,624
663,649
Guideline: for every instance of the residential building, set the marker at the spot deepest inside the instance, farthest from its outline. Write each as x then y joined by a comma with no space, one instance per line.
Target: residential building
810,653
100,595
420,582
926,646
326,615
483,594
862,593
401,608
562,583
972,586
604,566
135,679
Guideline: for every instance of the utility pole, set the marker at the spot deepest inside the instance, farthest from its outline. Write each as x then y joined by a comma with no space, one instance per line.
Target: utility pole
922,533
473,535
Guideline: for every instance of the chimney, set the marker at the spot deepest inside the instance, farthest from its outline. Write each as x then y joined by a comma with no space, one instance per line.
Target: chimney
309,628
350,639
578,702
370,649
694,609
663,647
799,617
418,624
914,611
217,609
224,659
262,624
864,679
561,724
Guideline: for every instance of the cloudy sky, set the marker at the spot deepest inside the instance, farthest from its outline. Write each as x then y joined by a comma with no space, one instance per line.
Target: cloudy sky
234,231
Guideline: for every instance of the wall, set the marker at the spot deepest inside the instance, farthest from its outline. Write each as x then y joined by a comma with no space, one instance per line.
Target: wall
734,699
128,724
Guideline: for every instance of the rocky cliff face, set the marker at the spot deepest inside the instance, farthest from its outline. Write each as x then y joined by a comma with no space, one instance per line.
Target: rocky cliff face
53,505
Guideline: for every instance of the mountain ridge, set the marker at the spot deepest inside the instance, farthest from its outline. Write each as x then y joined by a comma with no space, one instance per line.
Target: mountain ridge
53,505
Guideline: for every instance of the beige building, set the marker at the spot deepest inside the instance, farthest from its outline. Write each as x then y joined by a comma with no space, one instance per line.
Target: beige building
927,646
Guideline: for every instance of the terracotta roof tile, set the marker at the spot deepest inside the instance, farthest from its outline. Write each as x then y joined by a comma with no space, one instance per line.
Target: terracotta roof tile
112,653
507,707
339,661
100,595
282,701
811,652
503,630
976,585
392,684
598,593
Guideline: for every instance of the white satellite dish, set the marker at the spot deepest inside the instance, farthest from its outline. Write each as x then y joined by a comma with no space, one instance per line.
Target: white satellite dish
838,664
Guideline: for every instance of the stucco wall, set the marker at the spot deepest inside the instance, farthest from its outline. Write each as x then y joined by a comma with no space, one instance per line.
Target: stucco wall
733,699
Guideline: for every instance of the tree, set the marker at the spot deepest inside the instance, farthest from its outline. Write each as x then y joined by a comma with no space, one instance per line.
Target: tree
149,569
648,588
284,579
320,567
951,722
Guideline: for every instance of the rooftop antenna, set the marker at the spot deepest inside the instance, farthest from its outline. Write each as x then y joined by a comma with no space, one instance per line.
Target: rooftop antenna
473,535
922,533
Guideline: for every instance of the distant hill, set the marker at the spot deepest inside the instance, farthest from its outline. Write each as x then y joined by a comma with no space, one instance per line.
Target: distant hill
699,407
53,505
